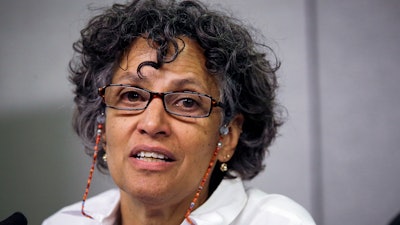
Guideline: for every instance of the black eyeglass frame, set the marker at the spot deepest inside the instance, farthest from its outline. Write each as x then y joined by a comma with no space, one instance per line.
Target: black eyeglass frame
161,95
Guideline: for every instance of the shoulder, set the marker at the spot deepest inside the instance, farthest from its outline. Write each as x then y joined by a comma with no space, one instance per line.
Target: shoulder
101,207
263,208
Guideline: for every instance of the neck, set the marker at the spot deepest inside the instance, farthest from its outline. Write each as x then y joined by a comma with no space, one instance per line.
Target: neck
135,211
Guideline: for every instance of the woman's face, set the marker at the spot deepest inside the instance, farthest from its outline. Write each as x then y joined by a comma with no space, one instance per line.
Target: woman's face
188,143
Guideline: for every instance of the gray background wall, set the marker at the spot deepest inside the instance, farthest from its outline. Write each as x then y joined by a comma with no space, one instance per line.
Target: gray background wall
337,154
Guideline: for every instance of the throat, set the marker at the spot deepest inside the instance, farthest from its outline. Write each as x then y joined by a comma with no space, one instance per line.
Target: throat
136,211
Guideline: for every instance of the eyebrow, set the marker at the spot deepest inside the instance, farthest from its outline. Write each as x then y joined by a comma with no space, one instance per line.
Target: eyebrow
187,81
176,83
129,76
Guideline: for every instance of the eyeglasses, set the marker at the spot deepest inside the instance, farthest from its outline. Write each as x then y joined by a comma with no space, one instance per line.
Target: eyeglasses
186,103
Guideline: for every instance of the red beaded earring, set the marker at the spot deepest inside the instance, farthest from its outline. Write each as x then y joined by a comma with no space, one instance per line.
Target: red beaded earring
100,122
203,181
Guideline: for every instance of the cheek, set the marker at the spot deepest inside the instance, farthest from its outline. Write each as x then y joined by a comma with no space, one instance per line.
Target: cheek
116,130
202,145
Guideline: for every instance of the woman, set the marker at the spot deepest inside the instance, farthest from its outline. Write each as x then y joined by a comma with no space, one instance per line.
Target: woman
179,102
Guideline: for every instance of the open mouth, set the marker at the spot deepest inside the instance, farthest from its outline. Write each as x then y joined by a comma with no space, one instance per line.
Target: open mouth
152,157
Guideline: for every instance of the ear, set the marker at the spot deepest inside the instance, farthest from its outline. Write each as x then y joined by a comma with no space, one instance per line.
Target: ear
230,140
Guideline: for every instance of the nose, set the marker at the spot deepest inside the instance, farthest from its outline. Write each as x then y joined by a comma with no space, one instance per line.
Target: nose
153,120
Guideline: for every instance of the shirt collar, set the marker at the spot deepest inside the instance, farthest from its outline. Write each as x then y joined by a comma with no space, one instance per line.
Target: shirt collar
106,212
223,206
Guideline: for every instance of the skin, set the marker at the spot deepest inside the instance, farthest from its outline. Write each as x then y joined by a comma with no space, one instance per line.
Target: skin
160,192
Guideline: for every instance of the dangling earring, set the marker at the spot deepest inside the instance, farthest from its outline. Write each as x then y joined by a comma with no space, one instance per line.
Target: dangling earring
100,122
223,167
105,157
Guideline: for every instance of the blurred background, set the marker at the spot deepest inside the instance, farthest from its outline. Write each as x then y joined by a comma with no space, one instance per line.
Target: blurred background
337,155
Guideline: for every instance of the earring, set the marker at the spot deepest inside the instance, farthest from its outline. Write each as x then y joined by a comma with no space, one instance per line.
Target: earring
223,167
105,157
100,122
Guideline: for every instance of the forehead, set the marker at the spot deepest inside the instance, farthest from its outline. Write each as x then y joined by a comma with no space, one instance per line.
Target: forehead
188,67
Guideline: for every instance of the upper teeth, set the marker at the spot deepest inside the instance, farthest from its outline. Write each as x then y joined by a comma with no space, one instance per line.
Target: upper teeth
143,154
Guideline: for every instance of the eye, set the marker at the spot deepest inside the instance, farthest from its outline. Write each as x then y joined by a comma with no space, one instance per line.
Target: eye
185,102
188,103
131,96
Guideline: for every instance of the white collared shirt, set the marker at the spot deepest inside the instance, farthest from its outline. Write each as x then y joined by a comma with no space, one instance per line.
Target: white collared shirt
230,204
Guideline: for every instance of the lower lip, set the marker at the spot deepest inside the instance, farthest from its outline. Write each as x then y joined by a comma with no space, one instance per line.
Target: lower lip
150,165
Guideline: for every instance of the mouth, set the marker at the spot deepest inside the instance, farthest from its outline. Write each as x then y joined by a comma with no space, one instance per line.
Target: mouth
148,156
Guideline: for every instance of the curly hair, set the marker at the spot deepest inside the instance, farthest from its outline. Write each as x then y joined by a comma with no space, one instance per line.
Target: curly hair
245,69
